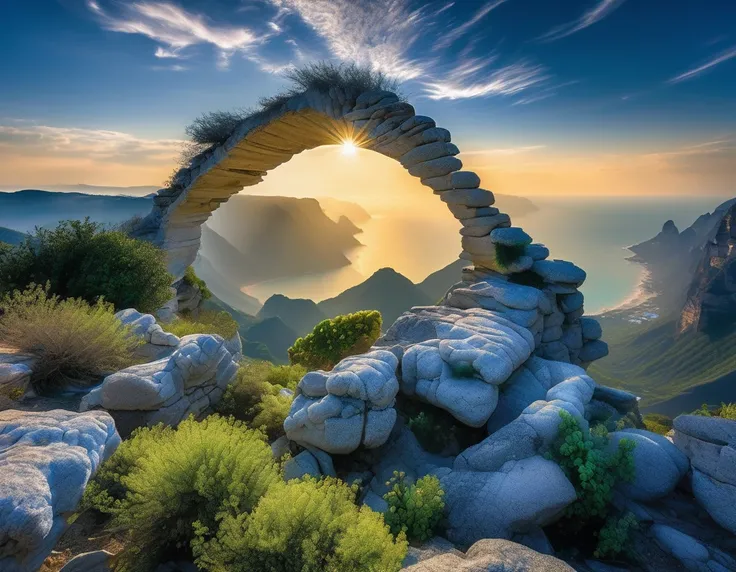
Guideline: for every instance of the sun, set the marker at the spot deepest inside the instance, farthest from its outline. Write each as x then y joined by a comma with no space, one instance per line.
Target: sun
349,147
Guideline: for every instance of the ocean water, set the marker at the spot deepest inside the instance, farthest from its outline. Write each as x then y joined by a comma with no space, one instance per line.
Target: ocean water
591,232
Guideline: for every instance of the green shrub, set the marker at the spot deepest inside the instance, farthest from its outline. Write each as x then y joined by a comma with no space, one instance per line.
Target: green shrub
207,322
76,343
304,526
615,535
81,260
254,396
726,411
191,279
592,471
171,488
335,339
657,423
415,510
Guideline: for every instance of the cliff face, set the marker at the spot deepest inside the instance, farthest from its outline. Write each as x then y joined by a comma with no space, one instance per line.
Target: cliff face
711,299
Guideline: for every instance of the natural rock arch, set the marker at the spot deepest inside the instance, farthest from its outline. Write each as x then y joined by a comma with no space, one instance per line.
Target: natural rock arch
375,120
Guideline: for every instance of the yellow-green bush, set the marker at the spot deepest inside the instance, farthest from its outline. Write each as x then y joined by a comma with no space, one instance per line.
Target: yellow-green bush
76,343
207,322
726,411
657,423
304,526
80,259
336,338
414,510
255,395
170,489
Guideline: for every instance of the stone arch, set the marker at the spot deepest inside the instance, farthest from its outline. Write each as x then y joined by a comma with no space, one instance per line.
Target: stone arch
375,120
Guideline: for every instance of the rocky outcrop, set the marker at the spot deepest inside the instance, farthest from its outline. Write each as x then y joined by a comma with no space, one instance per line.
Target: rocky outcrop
490,554
46,460
711,299
710,444
168,390
348,407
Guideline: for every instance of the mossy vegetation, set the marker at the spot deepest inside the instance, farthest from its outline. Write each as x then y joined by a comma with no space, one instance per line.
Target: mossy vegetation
206,322
506,255
76,343
657,423
414,510
191,279
335,339
80,259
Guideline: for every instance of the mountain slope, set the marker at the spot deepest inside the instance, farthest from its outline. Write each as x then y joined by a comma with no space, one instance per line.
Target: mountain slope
9,236
386,291
436,285
278,237
275,335
300,314
24,210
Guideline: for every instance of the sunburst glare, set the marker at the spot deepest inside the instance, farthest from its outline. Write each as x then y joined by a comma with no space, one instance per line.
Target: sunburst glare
349,147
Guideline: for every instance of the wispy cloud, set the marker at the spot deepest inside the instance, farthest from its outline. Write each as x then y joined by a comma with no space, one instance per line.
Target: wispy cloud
378,34
719,59
474,79
602,9
452,36
176,29
94,144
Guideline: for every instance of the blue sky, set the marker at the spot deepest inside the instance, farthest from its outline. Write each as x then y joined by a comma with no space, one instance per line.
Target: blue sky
89,83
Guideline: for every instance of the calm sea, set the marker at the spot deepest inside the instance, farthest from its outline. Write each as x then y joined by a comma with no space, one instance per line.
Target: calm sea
591,232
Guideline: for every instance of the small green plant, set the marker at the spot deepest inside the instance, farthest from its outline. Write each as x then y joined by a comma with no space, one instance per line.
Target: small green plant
207,322
614,536
191,279
725,411
414,510
728,411
80,259
171,489
76,343
657,423
305,525
592,471
335,339
256,395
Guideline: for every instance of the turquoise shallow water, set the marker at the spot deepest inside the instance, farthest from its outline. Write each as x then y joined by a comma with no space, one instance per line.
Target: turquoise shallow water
592,233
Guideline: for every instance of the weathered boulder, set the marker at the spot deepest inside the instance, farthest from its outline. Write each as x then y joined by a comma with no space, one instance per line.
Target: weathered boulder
710,445
350,406
455,359
488,555
658,464
188,382
694,556
517,497
46,460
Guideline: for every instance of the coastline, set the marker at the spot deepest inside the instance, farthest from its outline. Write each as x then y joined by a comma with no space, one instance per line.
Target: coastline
640,298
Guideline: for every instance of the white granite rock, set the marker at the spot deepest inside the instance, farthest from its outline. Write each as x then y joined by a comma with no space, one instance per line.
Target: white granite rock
519,496
537,251
658,464
511,236
188,382
559,271
591,328
459,370
350,406
717,497
46,460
